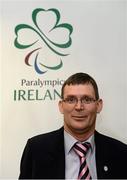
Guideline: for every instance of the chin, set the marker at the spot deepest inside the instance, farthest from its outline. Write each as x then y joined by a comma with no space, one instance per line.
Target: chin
80,128
80,125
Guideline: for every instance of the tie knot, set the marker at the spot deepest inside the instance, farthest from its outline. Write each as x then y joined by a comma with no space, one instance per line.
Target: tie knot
82,149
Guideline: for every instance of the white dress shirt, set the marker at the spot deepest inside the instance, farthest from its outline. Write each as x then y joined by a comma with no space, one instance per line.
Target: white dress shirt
72,160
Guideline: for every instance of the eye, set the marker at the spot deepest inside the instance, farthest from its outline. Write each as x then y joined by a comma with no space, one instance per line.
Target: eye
88,99
70,100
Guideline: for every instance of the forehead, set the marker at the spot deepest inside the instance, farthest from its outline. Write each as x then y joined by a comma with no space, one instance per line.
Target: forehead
79,90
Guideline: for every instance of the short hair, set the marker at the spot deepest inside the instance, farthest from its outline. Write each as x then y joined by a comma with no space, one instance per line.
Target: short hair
80,78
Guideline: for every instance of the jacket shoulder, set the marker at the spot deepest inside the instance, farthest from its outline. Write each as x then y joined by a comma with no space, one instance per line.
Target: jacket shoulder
111,153
46,139
105,141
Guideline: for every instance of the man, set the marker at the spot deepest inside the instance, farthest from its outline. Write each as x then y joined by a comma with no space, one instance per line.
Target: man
76,150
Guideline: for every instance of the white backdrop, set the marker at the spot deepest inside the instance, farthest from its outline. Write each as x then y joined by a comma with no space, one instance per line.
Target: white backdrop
98,48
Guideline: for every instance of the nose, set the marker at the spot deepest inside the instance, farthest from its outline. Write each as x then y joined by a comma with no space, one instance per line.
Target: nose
79,105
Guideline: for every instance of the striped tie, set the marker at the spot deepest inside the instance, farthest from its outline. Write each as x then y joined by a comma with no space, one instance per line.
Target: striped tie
81,150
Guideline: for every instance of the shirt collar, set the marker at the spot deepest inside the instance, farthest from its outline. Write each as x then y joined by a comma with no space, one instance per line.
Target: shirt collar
69,141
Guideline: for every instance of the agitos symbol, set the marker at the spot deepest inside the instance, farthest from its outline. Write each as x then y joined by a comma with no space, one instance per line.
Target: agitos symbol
54,46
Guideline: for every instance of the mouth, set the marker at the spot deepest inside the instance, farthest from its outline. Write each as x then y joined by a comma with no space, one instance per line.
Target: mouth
79,117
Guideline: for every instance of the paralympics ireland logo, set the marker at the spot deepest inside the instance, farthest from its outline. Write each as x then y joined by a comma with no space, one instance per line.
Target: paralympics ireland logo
56,46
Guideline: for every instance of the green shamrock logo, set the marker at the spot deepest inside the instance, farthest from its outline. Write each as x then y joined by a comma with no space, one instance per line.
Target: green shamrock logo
54,46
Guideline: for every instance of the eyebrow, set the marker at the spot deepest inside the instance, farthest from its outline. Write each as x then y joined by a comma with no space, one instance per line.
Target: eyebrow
83,96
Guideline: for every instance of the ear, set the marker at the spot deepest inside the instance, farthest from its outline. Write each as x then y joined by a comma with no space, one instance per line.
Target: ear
99,105
60,104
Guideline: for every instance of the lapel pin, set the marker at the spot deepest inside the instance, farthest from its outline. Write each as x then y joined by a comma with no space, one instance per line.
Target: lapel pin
105,168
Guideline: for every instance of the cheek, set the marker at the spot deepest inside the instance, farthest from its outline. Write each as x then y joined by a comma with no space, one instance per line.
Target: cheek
92,110
66,111
63,109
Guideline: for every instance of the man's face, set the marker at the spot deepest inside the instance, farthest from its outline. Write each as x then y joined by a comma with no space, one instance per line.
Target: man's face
80,117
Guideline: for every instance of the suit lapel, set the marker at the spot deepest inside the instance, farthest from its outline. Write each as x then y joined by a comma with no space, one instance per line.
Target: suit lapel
102,157
57,156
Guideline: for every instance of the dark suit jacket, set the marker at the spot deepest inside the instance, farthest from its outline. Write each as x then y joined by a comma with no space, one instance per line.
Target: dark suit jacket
44,157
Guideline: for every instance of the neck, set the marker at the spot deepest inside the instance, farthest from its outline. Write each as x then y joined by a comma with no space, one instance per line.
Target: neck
80,136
